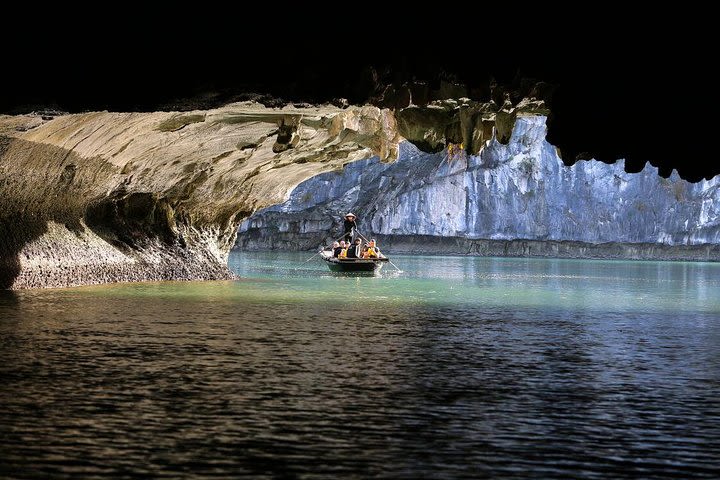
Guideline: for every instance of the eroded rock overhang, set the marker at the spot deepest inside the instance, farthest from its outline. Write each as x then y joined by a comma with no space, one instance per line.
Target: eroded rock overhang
104,197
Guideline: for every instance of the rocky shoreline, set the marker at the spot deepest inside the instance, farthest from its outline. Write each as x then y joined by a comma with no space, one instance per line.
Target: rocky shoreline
432,245
427,245
63,257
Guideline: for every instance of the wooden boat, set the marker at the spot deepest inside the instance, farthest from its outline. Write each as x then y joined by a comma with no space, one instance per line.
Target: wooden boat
366,265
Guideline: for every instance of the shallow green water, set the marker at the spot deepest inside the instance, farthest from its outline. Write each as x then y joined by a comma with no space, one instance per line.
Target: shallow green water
455,368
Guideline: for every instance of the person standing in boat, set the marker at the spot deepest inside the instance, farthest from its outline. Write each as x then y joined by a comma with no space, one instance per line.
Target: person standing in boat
348,225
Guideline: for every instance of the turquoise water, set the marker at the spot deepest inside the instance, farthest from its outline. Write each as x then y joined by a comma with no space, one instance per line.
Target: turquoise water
577,285
453,368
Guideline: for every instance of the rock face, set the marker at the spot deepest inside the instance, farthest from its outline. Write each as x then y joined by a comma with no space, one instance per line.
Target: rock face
105,197
508,194
465,122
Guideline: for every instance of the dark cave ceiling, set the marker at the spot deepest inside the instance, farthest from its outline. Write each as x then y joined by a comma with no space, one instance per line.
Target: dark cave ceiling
645,99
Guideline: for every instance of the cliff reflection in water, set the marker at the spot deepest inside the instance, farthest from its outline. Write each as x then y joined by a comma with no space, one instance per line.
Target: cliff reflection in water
459,367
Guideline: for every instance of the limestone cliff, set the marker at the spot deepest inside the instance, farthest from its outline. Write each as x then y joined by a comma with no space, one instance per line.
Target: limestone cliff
515,199
105,197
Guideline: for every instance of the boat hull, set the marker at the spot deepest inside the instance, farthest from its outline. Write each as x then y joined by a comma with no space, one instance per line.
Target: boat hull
368,266
353,265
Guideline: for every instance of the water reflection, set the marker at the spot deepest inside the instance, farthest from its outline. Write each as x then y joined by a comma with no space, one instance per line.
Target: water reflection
458,368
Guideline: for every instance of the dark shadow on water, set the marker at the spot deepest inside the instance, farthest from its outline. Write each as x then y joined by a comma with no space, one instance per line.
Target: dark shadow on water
8,298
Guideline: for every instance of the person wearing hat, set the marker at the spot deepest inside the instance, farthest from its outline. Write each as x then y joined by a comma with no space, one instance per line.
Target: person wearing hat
348,225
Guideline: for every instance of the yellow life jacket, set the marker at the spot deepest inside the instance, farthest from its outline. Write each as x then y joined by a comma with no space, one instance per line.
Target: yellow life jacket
371,252
343,253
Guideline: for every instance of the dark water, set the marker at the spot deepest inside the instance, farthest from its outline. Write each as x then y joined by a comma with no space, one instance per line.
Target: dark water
456,368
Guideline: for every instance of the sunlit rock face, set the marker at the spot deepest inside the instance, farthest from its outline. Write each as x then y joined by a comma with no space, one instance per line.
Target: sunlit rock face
105,197
508,192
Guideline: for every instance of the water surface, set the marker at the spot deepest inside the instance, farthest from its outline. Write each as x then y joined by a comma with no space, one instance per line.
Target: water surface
455,368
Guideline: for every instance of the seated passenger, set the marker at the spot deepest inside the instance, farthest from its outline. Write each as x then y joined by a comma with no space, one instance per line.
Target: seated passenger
372,250
337,248
353,250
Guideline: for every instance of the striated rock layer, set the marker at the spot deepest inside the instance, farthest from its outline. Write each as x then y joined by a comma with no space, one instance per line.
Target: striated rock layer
106,197
514,199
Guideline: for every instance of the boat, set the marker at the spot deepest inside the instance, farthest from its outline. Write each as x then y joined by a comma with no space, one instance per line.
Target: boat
352,265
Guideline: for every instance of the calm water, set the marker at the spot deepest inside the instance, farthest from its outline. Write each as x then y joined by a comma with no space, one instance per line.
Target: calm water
455,368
